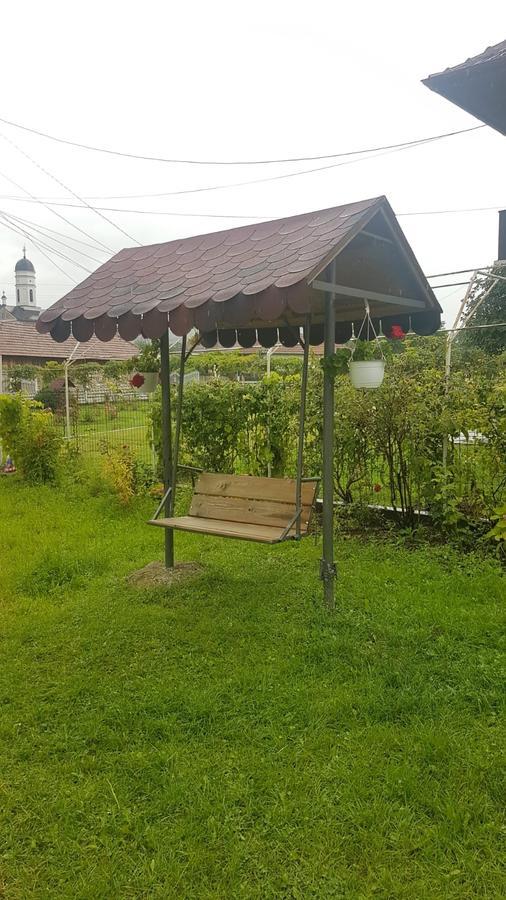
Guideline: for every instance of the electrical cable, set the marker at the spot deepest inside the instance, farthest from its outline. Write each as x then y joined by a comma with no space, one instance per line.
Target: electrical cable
267,218
53,231
69,190
348,162
55,264
440,212
54,250
241,162
40,230
55,212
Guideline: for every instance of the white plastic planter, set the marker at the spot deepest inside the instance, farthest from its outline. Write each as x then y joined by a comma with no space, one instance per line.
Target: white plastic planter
368,373
150,382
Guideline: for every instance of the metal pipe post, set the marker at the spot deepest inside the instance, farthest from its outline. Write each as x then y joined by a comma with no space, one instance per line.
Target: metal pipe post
179,414
302,420
327,565
166,443
67,400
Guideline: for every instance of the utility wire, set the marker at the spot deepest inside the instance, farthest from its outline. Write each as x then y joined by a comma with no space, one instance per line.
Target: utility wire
240,162
54,250
222,187
52,230
16,230
54,211
157,212
40,230
439,212
70,191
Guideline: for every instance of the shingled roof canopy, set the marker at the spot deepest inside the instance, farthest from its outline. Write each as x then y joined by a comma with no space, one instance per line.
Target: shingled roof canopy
477,85
254,282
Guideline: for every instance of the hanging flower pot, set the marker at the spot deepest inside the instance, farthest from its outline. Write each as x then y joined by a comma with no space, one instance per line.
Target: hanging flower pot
145,382
367,373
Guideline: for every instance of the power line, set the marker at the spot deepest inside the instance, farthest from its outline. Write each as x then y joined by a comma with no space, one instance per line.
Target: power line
235,184
440,212
240,162
69,190
348,162
42,231
266,217
163,212
52,230
54,212
16,230
54,250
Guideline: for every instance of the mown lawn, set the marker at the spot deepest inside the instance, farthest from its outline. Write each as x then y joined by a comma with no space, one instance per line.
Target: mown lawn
226,737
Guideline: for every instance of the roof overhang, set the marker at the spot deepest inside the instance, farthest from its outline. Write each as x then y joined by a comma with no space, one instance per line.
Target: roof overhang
252,283
478,86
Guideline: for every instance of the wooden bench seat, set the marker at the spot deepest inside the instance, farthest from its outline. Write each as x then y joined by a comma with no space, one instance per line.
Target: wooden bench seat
246,508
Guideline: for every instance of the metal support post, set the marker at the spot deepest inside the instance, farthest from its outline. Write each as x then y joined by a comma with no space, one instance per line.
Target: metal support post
67,401
327,566
179,414
302,420
167,444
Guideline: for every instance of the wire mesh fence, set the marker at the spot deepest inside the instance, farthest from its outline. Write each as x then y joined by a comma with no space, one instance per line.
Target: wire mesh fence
101,419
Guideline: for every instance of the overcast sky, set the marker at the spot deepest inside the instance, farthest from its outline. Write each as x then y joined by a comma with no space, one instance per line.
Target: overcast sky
228,80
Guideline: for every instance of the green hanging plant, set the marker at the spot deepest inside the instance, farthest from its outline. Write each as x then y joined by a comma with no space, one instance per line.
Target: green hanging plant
337,364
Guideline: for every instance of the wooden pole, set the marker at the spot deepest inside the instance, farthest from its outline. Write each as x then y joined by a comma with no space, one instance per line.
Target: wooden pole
167,443
327,565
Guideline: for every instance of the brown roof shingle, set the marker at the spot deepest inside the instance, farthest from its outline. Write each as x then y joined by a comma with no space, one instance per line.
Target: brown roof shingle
253,273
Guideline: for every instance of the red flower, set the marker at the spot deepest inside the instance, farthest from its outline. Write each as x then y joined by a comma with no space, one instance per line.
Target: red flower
137,381
377,488
397,333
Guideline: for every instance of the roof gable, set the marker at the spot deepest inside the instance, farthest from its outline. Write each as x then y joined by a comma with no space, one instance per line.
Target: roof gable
477,85
247,275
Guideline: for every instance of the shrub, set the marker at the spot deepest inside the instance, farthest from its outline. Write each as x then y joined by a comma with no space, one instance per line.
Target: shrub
229,426
124,473
21,372
50,399
28,433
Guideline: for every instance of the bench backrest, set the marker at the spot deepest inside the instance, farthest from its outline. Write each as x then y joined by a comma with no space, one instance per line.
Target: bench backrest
247,498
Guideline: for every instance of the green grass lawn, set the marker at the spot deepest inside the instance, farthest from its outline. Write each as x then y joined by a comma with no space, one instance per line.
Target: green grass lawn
227,738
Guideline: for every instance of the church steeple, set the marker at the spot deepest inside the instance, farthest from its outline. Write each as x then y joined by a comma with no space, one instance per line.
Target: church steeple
25,283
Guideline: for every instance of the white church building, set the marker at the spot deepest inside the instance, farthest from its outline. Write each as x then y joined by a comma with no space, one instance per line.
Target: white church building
25,308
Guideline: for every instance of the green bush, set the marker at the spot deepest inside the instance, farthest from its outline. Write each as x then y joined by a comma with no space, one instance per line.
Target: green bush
20,372
124,474
49,399
229,426
388,442
28,433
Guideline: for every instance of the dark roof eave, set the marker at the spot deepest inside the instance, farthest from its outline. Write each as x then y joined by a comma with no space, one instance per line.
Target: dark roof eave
478,86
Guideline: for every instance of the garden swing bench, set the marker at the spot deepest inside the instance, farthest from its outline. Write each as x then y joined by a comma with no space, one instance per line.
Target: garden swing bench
257,284
245,507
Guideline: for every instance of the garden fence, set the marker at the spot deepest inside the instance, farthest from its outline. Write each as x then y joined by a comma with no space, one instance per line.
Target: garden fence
100,419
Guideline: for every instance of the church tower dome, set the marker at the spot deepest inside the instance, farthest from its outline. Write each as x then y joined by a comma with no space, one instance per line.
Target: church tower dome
26,290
